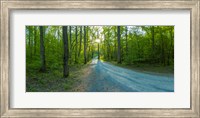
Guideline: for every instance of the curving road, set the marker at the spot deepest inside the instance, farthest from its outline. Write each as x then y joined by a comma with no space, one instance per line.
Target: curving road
105,77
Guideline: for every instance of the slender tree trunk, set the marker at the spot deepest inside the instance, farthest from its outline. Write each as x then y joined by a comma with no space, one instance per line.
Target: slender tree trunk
85,48
115,51
70,40
66,52
76,45
115,46
108,45
92,48
98,52
119,45
153,44
105,46
30,42
172,40
126,41
92,52
35,39
58,44
87,41
138,46
88,57
80,41
42,50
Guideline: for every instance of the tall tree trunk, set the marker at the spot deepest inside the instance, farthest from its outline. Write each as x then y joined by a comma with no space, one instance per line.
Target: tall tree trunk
42,50
80,41
115,45
66,52
126,41
35,39
58,44
108,45
88,57
98,52
30,42
119,45
92,55
92,52
87,43
85,48
70,40
153,44
171,45
76,45
104,47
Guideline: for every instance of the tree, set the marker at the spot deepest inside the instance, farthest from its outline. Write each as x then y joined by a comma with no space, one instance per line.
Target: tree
85,46
42,51
76,45
66,52
30,42
126,40
80,41
35,39
153,44
70,40
119,45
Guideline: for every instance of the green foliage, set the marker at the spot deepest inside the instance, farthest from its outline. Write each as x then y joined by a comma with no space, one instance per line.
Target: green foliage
151,45
140,44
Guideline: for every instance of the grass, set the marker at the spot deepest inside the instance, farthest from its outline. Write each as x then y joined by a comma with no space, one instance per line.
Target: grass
148,68
52,80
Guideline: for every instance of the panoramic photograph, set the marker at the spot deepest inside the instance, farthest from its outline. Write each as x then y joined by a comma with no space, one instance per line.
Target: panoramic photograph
99,58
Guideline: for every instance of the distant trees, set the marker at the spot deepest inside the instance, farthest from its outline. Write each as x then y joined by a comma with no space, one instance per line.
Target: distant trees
139,44
55,47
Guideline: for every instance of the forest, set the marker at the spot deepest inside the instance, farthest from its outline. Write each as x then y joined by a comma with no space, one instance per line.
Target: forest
57,55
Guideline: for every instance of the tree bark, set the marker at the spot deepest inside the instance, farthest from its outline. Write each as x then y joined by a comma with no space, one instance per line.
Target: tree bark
126,41
42,50
30,42
108,45
66,52
98,52
87,43
153,44
85,58
70,40
76,45
119,45
35,39
80,41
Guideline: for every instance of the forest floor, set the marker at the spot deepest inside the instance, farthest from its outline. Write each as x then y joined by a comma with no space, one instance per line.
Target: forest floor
156,69
52,80
100,76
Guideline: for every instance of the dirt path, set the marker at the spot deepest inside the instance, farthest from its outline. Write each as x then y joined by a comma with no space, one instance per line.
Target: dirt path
105,77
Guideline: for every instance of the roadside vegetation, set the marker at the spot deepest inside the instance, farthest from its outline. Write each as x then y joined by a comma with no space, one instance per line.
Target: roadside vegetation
57,57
